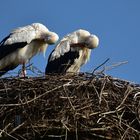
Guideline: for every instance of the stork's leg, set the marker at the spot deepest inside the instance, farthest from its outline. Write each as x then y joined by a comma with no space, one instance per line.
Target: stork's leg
23,70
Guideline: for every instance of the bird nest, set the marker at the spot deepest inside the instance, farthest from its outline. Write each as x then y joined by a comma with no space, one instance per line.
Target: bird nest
66,107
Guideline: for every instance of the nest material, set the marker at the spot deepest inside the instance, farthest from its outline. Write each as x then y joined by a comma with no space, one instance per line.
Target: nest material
81,107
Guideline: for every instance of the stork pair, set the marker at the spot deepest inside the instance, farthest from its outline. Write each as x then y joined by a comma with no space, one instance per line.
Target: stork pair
24,42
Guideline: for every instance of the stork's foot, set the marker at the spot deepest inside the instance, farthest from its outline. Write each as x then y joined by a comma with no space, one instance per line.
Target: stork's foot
23,73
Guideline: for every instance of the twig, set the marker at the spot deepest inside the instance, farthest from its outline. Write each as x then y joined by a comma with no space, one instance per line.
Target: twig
100,129
100,97
17,128
96,90
65,125
120,118
100,65
107,68
3,131
69,99
66,135
135,96
127,92
56,136
110,112
94,113
101,136
76,130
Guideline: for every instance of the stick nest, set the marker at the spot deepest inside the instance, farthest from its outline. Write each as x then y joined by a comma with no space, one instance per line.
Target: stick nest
80,107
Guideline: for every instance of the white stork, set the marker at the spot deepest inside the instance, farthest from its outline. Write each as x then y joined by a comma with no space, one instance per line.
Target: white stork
22,44
72,52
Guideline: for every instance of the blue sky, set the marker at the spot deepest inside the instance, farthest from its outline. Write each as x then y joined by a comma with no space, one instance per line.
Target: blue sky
116,23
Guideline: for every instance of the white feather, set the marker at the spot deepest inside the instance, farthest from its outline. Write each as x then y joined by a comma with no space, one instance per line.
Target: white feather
25,34
64,45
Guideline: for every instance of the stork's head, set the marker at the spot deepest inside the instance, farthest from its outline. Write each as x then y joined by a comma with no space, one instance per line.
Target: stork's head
92,41
51,38
42,33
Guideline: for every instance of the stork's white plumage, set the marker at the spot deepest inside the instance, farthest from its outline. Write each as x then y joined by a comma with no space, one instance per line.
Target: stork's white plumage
72,52
22,44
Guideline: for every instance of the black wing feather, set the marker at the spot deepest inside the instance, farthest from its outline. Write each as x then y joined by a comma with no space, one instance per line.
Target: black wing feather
61,64
3,41
6,49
